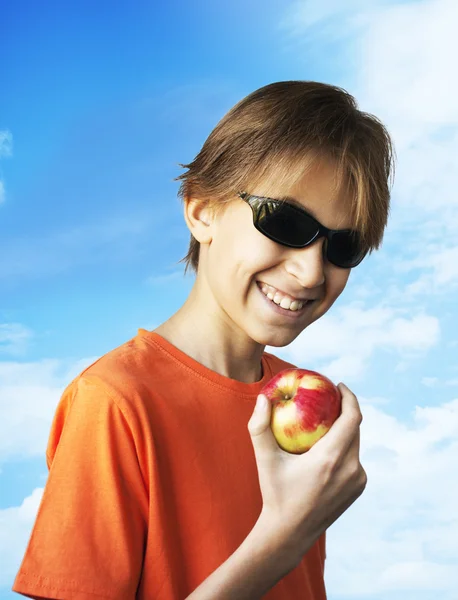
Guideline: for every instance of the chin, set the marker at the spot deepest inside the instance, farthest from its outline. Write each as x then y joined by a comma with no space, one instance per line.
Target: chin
277,339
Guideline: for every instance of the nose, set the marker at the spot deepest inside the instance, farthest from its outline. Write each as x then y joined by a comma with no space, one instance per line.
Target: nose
308,264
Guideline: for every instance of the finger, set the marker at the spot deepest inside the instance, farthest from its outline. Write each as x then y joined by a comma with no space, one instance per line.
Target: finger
354,448
262,438
333,516
352,458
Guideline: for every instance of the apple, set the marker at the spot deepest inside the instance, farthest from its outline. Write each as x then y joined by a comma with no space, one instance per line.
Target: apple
304,406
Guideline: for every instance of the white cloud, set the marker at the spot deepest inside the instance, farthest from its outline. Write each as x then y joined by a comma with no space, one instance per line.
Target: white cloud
406,60
413,46
349,336
28,509
443,262
406,518
429,381
29,393
324,19
15,528
420,575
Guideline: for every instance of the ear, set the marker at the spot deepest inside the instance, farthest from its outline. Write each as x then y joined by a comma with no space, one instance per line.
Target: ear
199,218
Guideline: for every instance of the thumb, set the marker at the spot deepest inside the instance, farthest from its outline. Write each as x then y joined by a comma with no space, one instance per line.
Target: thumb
260,418
259,427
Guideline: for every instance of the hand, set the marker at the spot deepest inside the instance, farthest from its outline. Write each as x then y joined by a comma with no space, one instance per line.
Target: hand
304,494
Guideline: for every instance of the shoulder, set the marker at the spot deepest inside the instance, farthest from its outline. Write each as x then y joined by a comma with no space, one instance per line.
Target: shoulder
109,394
123,375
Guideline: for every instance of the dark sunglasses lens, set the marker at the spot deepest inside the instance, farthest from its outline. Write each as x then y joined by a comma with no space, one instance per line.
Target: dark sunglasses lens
345,249
286,225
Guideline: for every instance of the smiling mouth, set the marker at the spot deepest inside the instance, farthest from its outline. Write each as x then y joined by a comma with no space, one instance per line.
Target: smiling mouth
286,311
286,302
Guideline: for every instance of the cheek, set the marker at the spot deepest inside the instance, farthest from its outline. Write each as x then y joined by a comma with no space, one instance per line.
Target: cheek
242,249
337,280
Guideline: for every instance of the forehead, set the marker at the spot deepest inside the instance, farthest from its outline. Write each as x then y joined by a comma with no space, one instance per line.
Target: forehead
315,187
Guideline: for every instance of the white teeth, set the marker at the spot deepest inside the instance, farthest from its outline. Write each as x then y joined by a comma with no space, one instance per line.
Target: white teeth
294,305
285,303
277,298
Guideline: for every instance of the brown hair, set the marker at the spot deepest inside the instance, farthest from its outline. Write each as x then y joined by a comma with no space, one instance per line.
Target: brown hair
275,133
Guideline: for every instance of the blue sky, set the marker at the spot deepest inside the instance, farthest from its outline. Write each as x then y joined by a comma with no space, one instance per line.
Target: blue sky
99,104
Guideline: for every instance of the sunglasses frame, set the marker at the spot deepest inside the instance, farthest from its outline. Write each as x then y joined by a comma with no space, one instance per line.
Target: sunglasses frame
260,203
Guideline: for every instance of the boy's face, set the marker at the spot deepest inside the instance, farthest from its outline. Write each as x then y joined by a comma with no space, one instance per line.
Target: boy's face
239,259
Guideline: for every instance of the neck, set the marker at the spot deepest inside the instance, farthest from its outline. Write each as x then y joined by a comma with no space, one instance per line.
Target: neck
208,336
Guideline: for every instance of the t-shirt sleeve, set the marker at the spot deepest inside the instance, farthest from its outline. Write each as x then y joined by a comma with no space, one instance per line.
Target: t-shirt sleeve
89,535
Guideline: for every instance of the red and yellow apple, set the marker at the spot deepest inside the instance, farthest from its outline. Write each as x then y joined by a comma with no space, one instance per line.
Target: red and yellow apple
304,406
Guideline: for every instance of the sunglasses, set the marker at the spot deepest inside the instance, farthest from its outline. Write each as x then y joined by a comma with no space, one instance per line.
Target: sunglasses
291,226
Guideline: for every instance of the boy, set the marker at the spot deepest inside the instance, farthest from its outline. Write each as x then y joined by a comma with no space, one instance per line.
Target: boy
164,484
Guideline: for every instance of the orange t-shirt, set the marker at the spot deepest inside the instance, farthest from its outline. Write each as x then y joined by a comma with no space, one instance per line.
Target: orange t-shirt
152,481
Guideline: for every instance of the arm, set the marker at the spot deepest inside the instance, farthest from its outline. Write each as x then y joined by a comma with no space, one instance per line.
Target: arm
88,537
259,563
304,494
